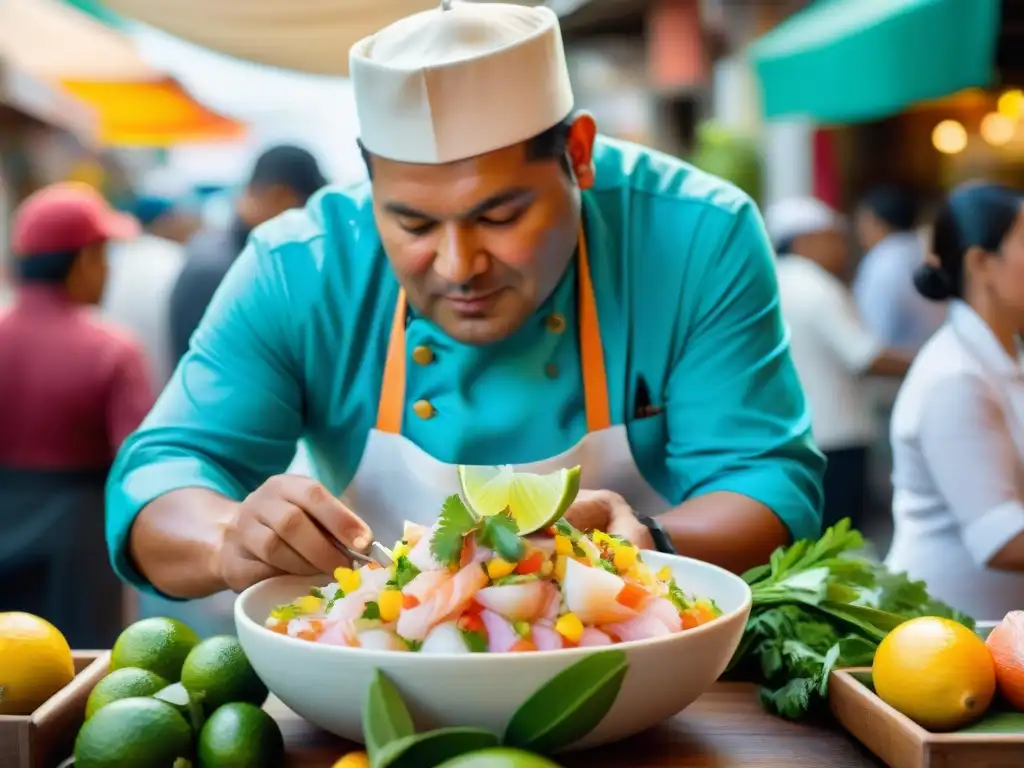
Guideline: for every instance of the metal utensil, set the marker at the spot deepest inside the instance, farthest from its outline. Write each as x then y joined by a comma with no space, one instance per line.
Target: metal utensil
378,554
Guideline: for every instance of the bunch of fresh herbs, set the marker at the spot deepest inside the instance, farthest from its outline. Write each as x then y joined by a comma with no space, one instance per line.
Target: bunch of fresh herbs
817,606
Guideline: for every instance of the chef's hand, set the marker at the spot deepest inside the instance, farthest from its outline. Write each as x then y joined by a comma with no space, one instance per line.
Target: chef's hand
607,511
286,527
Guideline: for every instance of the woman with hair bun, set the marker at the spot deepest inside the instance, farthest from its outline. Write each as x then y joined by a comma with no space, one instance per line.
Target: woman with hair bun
958,423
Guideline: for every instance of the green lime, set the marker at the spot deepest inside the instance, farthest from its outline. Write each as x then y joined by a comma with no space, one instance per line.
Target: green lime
499,757
534,501
240,735
123,683
134,733
217,672
158,644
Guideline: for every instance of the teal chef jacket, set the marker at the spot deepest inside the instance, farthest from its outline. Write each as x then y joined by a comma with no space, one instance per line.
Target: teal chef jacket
293,346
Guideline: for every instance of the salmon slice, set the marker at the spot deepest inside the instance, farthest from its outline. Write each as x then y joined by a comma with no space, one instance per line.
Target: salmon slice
425,584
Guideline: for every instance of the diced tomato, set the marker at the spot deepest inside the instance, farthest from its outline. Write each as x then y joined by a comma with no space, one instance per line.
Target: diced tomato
409,601
471,622
312,632
531,563
473,609
631,596
691,618
523,646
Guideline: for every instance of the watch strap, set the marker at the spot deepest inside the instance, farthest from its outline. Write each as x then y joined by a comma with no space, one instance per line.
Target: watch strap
662,541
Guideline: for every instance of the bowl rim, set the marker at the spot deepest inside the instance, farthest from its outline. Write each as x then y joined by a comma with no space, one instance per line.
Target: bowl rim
242,618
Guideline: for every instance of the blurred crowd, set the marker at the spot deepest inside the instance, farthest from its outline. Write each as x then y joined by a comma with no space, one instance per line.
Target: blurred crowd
903,329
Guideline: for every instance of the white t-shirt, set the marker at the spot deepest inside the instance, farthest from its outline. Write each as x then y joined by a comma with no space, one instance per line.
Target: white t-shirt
958,474
831,349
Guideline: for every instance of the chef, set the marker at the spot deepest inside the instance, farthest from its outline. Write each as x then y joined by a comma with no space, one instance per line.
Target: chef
507,288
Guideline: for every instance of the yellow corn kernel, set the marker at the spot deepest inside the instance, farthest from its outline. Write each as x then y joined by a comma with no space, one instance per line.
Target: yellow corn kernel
390,604
563,544
340,574
353,760
348,580
570,627
401,549
624,557
601,538
665,574
308,604
497,568
560,567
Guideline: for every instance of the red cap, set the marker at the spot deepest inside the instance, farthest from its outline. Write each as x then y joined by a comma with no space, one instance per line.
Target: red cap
65,217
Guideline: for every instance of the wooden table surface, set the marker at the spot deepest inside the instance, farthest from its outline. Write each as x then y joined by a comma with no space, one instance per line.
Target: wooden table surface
725,728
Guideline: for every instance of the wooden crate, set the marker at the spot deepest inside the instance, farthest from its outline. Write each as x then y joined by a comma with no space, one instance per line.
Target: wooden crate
902,743
46,737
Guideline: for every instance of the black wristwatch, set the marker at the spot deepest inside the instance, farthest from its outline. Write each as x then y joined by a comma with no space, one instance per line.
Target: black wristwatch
662,541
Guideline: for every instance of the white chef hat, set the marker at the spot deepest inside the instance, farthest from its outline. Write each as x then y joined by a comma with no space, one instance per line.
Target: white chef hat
460,80
798,216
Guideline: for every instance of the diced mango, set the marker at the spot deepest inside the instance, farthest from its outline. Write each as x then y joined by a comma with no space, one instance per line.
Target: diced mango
547,569
498,568
353,760
563,545
348,580
642,574
308,604
602,539
570,627
665,574
401,549
560,567
390,604
624,557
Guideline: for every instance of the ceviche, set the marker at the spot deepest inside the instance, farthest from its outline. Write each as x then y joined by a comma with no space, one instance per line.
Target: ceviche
473,584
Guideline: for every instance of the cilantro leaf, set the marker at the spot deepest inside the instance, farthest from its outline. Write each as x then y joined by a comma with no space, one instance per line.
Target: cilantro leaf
475,641
500,533
371,611
454,524
405,572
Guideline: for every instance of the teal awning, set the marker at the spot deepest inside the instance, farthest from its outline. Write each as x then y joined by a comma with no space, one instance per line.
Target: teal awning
851,60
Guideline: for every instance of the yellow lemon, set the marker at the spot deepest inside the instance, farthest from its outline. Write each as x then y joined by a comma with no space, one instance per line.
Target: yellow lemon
936,672
353,760
35,662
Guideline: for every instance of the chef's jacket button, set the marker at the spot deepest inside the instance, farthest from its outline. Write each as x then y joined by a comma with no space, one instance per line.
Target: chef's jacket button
423,355
423,409
551,370
556,323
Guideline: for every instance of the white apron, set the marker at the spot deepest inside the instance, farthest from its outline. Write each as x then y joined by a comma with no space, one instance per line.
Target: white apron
397,480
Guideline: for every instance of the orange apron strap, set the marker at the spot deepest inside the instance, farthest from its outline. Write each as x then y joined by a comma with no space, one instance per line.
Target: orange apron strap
392,388
595,378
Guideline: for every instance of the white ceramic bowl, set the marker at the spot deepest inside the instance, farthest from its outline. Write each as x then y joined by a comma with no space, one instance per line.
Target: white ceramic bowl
326,684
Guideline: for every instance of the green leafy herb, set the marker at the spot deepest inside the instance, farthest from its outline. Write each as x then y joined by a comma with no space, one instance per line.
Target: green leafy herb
817,606
453,525
677,596
607,565
405,572
433,747
475,641
413,645
385,716
500,533
570,705
371,611
286,612
338,594
317,592
565,528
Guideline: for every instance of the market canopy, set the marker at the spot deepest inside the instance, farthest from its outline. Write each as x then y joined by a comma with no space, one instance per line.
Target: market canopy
136,104
311,36
851,60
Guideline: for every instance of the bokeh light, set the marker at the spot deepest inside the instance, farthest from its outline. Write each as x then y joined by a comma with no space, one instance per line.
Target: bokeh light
1011,103
997,129
949,137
